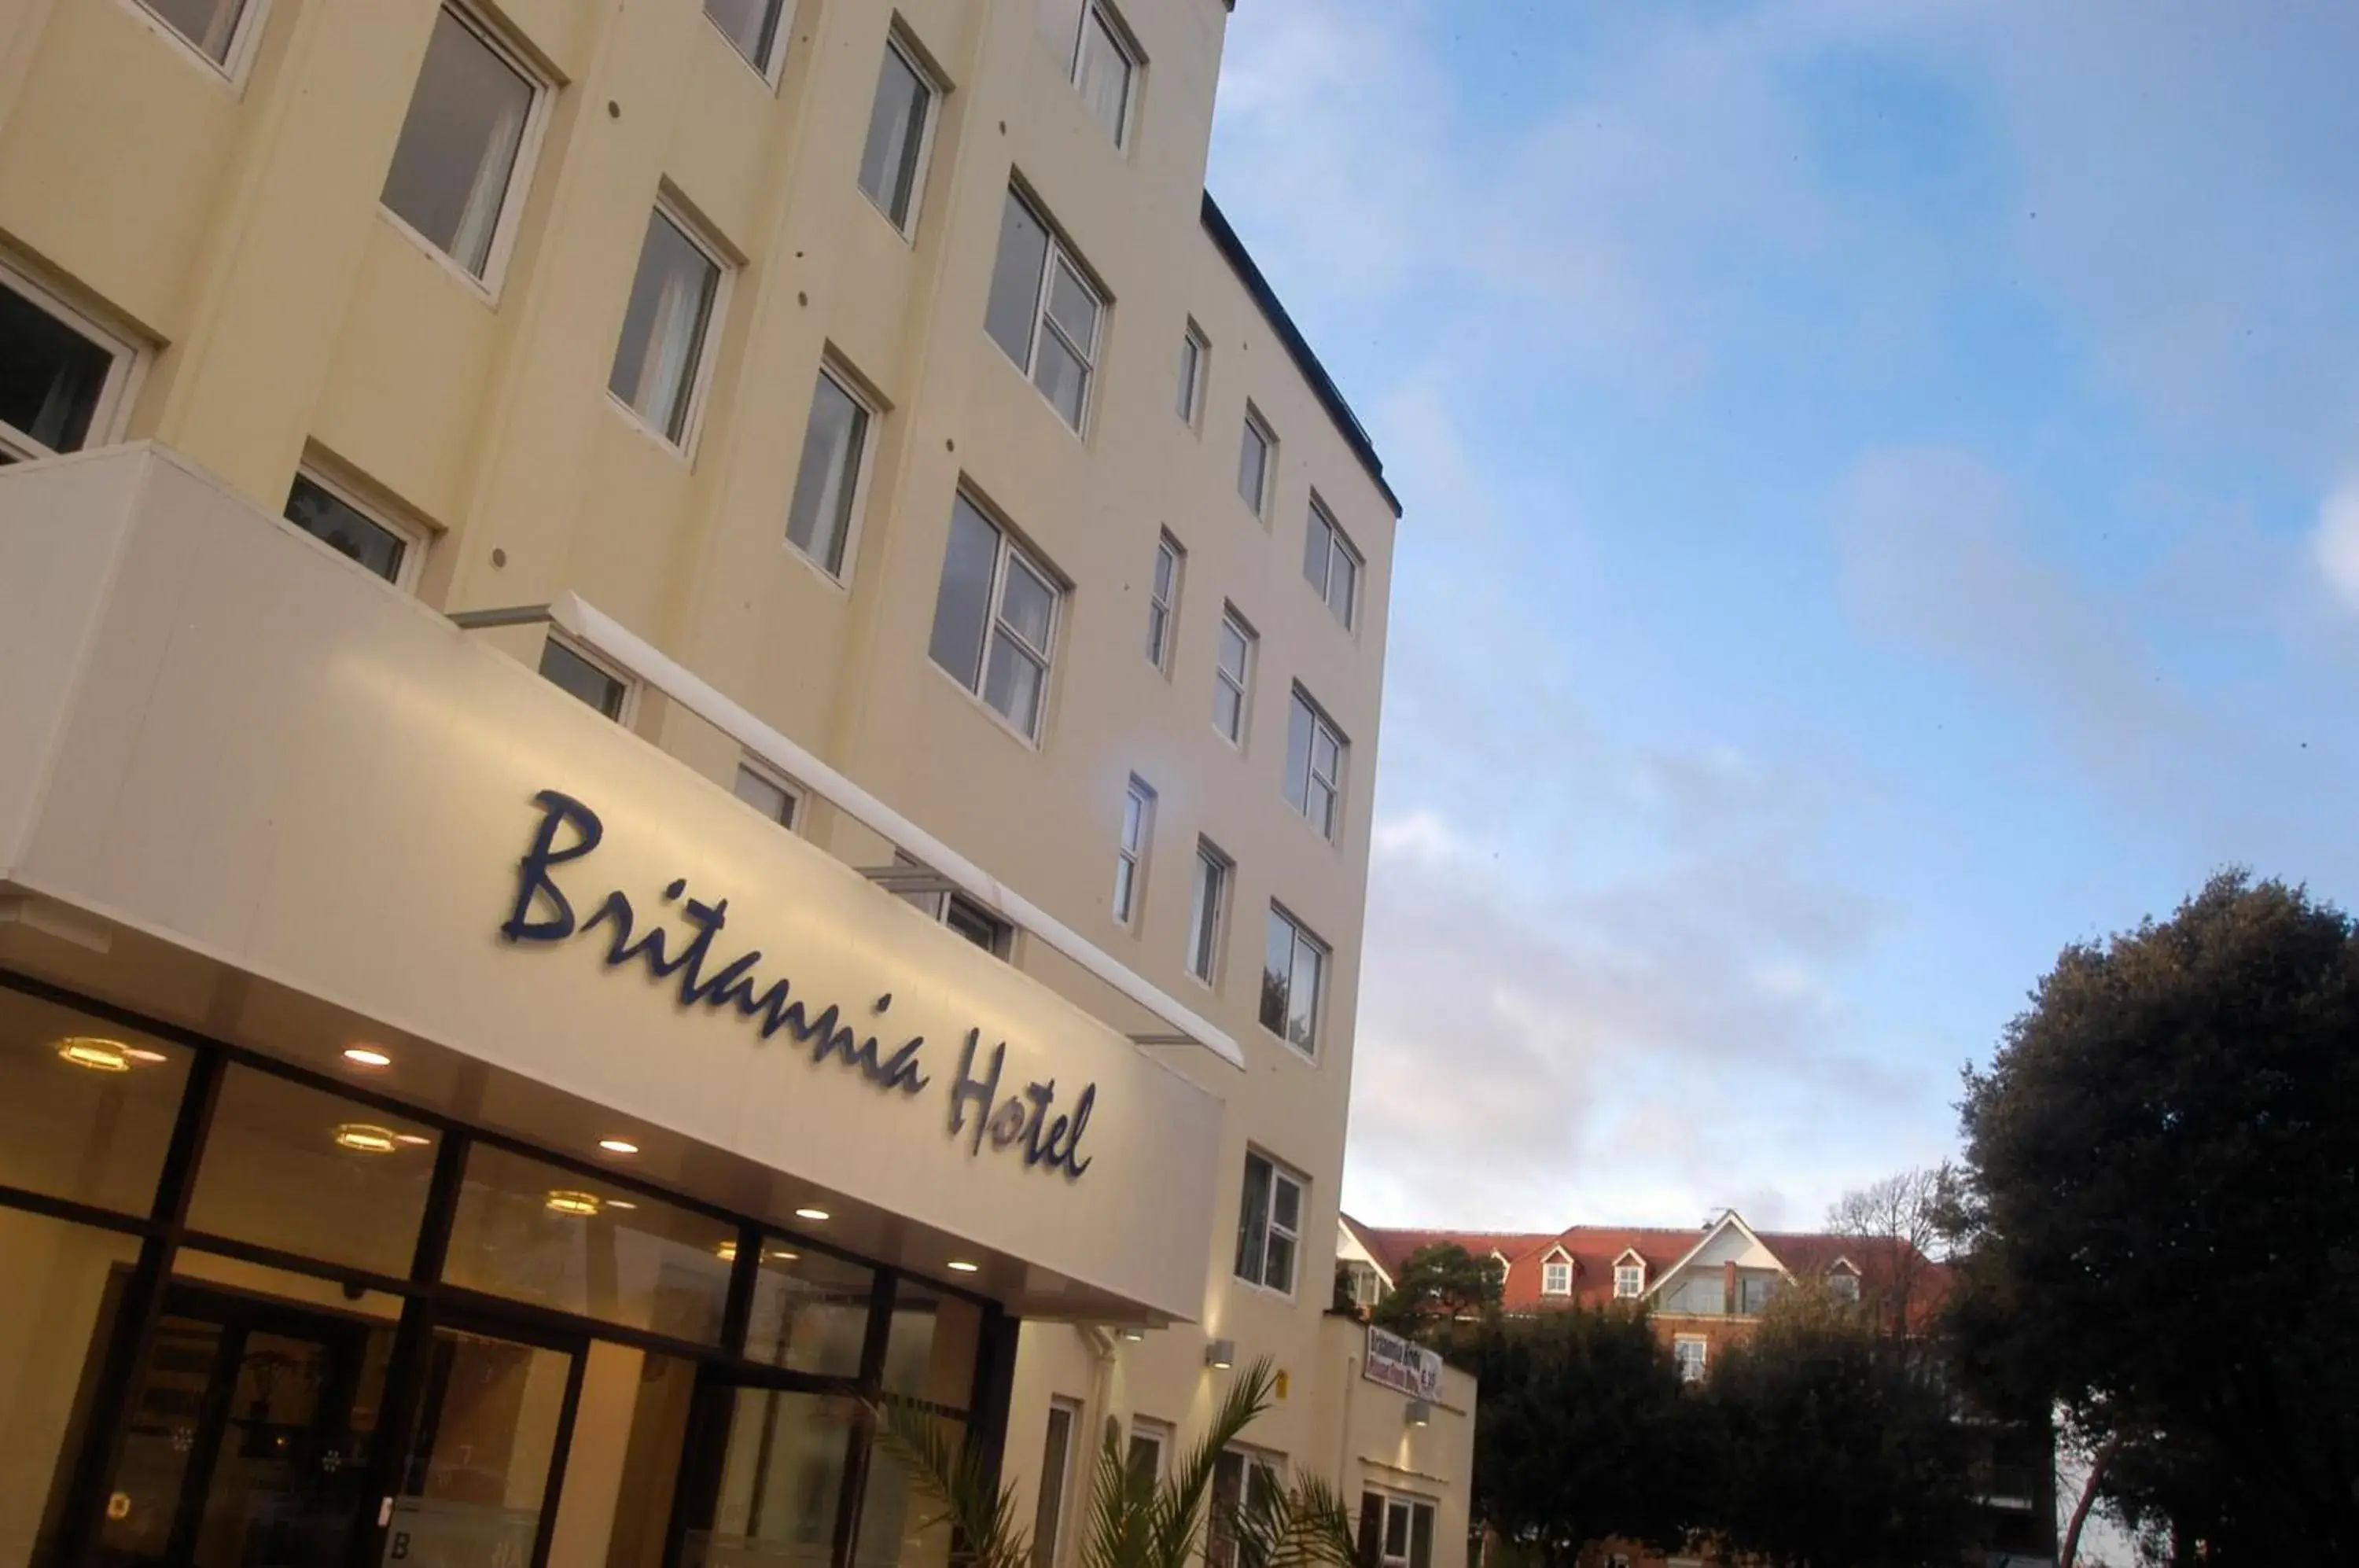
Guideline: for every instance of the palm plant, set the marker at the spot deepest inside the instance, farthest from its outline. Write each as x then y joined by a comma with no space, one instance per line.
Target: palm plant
1135,1519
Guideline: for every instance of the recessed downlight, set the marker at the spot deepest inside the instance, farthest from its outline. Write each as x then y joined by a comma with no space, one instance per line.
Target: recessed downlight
97,1055
415,1140
781,1255
362,1056
566,1201
621,1203
141,1053
811,1213
364,1137
960,1266
618,1145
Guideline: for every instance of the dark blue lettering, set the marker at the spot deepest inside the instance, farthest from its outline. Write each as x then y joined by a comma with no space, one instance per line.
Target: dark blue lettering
967,1088
533,881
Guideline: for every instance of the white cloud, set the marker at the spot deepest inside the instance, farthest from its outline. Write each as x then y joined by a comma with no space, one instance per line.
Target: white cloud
2336,543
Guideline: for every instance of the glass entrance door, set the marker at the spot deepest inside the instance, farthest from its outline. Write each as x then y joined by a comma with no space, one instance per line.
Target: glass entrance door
478,1487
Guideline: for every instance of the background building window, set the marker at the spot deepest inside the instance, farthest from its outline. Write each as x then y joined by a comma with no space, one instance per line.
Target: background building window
1331,565
1255,452
1314,765
1555,1277
57,375
211,26
827,485
1163,603
665,326
767,795
1689,1352
1195,356
1056,1480
754,28
1130,852
1207,910
1269,1224
1151,1440
1294,966
459,154
1103,67
1629,1281
995,618
343,527
1844,1284
893,158
573,671
1043,312
1395,1532
1233,678
1241,1479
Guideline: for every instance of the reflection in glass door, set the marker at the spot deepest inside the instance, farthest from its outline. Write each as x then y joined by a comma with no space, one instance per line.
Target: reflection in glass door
478,1487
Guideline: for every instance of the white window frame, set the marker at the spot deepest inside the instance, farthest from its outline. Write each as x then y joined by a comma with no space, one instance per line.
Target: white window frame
1126,42
1254,421
519,185
849,382
414,538
1556,1277
1132,889
627,714
1196,363
1009,545
768,71
1843,1285
1629,1281
1408,1504
1691,1368
1302,936
1244,683
128,367
899,41
1057,250
1153,1431
748,762
1221,1553
692,425
1207,926
1319,723
1051,1551
1166,604
244,40
1338,541
1278,1171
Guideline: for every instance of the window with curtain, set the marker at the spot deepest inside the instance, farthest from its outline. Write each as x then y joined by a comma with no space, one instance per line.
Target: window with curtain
1043,312
1163,602
1314,765
995,618
892,158
209,25
820,519
754,28
664,327
1294,972
457,158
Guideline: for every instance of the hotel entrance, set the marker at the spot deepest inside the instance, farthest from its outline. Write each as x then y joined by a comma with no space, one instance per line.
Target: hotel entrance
254,1320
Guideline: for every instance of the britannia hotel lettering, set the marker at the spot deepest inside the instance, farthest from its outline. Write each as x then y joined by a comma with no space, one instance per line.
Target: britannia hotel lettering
985,1106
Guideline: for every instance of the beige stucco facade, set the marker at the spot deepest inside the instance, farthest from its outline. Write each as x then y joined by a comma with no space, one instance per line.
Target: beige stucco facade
217,227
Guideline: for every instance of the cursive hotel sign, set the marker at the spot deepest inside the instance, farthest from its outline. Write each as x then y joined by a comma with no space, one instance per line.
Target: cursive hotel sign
1023,1121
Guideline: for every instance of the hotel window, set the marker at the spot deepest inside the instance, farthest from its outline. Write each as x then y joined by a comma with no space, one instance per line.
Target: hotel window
1163,602
458,174
1269,1224
1688,1352
754,28
1331,565
995,619
571,671
1130,851
1241,1479
765,794
1629,1281
1257,454
820,518
214,29
1555,1277
62,379
1395,1532
331,516
1098,56
900,126
1293,972
1207,910
1232,677
675,298
1195,356
1044,311
1314,765
1753,1293
1049,1509
1151,1440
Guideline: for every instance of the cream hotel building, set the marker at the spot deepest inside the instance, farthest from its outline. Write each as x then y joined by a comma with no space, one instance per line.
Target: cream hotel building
688,699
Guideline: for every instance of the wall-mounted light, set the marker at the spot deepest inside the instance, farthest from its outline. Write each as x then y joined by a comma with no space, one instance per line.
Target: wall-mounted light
566,1201
98,1055
1420,1412
362,1138
1220,1355
1134,1334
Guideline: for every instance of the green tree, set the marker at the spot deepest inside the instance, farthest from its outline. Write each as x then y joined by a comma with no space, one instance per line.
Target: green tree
1581,1434
1438,1286
2161,1220
1828,1447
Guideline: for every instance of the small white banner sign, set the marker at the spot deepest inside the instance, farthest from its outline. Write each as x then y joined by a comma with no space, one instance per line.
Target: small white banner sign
1398,1363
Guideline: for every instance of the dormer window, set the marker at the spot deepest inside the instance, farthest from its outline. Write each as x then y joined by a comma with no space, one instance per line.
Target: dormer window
1843,1284
1555,1277
1629,1280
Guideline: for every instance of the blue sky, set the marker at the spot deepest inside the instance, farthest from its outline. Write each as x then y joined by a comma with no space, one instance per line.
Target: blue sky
1883,501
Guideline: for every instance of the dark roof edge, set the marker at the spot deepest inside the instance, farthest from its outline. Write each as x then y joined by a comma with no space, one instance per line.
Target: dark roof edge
1356,436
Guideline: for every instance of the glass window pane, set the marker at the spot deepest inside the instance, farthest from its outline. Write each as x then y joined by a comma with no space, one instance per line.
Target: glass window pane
781,1480
1014,684
757,791
820,519
1343,586
898,1527
1252,465
1125,871
86,1108
810,1312
50,375
663,327
568,671
489,1415
1253,1218
1158,624
1298,725
63,1283
210,25
1318,545
1016,280
1228,709
929,1355
345,528
1049,1498
1234,647
660,1413
1134,820
1204,917
962,602
1061,376
896,129
1027,604
1286,1204
1276,970
1278,1273
305,1171
750,25
457,145
535,1233
1105,75
1073,306
1190,367
1302,995
1167,568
